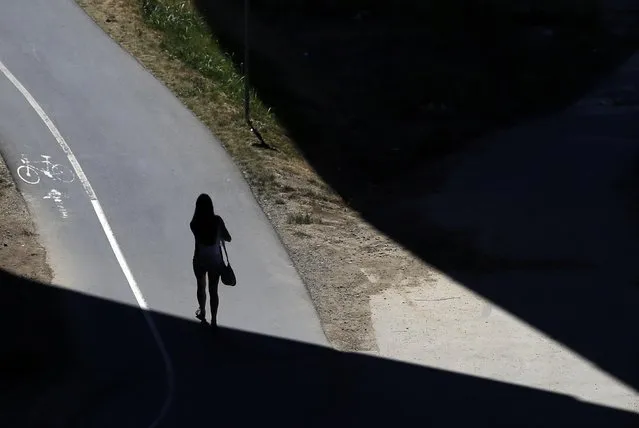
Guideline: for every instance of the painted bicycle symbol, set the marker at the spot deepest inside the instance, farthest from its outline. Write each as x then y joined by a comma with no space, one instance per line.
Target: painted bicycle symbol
30,171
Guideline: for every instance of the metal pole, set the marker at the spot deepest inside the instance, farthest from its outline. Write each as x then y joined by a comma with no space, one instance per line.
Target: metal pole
247,99
247,89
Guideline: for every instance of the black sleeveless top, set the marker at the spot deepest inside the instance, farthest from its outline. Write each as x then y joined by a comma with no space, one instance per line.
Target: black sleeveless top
206,233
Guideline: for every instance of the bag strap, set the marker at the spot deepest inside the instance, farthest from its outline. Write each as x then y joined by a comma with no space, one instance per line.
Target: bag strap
221,238
228,262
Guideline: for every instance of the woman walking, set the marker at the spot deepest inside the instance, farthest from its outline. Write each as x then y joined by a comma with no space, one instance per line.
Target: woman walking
209,230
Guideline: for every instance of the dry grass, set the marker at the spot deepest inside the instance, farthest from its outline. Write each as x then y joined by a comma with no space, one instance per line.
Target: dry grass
302,218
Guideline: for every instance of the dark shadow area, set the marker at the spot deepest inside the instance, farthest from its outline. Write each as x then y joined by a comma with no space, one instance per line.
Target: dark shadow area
71,360
369,89
402,109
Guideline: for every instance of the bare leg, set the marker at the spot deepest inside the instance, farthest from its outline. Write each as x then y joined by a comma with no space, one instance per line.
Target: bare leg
215,299
201,296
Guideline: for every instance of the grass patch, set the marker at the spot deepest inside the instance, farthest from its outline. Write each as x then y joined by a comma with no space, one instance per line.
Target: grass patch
301,234
264,180
315,195
302,218
185,36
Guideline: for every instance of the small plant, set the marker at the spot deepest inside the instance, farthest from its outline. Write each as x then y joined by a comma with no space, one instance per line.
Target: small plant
300,218
309,193
301,235
288,189
264,178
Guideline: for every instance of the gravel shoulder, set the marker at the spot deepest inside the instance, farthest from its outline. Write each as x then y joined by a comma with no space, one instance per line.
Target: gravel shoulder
20,251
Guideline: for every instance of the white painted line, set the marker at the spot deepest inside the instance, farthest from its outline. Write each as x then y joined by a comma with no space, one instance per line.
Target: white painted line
118,255
56,134
139,297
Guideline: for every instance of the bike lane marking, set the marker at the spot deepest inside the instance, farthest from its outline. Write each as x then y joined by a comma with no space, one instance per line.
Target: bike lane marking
30,174
57,196
52,171
99,212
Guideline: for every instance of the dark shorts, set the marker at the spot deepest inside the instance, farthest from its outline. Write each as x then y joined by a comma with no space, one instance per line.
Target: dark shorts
200,269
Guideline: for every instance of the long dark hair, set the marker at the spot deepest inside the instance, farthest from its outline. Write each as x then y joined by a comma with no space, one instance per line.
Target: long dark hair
204,213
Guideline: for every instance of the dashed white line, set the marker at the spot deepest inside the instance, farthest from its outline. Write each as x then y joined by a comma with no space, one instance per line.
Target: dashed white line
139,297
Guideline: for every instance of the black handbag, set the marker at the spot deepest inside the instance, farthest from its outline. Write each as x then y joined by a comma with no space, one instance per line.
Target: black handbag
226,271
